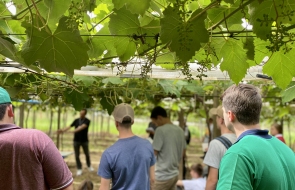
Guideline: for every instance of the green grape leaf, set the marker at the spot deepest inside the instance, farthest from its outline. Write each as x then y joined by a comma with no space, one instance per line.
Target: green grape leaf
288,94
53,10
98,44
281,67
180,84
169,87
86,80
249,46
181,36
13,27
122,22
7,49
166,60
113,80
150,29
283,111
217,14
260,50
77,99
61,51
134,6
3,9
125,48
106,105
194,88
234,58
263,14
229,1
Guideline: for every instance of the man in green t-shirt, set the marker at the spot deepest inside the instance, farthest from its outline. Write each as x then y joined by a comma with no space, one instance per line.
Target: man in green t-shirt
257,160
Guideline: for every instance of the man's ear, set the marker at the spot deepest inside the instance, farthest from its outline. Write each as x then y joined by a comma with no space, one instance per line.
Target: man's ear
231,116
116,124
10,111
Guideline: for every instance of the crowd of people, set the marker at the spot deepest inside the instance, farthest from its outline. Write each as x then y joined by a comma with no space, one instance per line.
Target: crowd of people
243,157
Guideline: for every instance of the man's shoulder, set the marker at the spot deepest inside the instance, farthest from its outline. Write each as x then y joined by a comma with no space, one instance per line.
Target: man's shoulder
31,132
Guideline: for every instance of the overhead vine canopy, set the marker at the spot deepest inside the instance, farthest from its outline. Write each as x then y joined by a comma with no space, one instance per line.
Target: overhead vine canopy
63,35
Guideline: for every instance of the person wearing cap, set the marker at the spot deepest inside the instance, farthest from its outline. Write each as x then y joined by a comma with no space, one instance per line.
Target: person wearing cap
217,148
130,162
81,125
257,160
29,159
169,147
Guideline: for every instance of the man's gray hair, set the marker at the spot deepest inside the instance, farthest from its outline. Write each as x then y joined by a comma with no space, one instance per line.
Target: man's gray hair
244,100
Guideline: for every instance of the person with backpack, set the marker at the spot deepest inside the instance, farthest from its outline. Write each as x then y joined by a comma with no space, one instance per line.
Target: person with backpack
257,160
217,148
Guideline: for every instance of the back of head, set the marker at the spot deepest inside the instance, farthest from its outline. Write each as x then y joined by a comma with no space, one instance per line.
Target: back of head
244,100
198,168
124,115
4,102
278,127
86,185
158,111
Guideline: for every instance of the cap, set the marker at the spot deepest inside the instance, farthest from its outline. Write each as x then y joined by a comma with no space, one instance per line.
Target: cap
123,110
4,96
216,111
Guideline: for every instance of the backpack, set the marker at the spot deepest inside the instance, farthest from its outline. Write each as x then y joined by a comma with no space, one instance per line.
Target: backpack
224,141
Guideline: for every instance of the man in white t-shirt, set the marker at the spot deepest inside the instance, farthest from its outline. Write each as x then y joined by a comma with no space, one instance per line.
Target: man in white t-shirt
217,149
197,182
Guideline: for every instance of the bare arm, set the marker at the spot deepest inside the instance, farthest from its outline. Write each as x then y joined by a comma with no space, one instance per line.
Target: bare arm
80,128
152,177
64,129
156,153
69,187
212,179
104,184
179,183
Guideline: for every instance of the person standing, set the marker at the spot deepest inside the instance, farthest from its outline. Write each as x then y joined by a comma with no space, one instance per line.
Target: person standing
217,148
28,159
257,160
130,162
169,147
277,131
81,125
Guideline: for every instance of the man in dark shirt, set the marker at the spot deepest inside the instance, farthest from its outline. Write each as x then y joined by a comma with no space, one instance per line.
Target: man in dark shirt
81,125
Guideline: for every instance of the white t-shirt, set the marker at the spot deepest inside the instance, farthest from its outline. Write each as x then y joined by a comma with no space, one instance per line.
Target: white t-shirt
194,184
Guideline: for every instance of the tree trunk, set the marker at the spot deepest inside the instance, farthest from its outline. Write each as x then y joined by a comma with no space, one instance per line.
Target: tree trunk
181,119
21,115
101,124
58,127
34,118
108,127
216,103
50,123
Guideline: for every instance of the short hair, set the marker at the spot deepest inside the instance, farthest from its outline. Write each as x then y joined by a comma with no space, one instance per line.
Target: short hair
278,127
198,168
3,110
85,110
244,100
158,111
126,122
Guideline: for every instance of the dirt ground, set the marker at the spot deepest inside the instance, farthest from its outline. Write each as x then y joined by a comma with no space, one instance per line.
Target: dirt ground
97,146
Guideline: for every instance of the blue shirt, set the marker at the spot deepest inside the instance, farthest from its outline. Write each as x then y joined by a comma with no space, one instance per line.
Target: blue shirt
128,163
